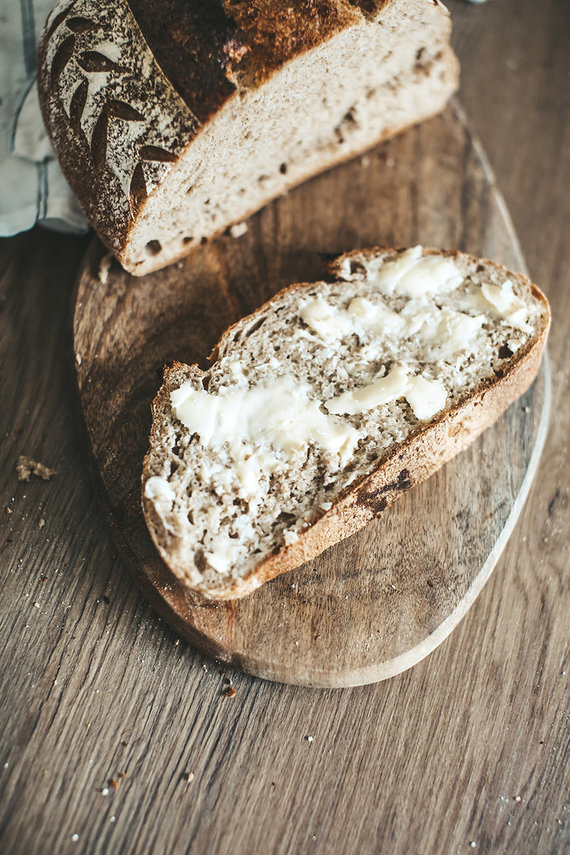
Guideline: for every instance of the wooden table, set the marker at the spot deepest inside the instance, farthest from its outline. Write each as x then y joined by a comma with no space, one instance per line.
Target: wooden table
115,737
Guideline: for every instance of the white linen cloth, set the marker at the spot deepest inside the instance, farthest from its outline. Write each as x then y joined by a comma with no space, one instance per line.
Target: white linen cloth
32,187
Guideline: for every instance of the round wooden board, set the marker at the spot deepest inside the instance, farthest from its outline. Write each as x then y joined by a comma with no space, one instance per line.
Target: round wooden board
379,602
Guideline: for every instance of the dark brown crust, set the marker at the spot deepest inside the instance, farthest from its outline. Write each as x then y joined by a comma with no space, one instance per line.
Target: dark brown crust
275,31
200,45
190,41
409,463
110,208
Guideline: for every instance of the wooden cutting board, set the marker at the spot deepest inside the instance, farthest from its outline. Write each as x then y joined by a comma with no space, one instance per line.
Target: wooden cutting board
379,602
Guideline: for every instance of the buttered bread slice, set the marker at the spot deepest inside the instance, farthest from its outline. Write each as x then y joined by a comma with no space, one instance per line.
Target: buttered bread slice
324,405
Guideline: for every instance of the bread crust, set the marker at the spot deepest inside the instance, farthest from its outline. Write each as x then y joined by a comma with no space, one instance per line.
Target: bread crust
91,101
408,463
204,45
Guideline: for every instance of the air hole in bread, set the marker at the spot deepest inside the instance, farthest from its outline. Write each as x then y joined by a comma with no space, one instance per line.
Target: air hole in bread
153,247
283,168
357,267
254,327
347,124
206,382
349,117
190,516
200,560
187,240
505,352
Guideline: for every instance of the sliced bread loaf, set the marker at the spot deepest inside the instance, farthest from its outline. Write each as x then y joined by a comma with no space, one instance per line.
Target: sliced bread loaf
324,405
174,120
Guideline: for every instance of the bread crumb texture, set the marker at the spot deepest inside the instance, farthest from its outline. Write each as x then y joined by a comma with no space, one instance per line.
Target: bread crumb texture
311,394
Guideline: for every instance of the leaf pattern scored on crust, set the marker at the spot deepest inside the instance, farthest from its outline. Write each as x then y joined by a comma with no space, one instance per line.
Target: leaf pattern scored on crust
116,97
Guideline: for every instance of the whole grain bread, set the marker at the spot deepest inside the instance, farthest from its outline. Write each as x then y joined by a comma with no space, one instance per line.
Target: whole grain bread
326,404
174,120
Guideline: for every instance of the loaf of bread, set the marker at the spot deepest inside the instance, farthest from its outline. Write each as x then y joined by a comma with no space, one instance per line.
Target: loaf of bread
174,120
324,405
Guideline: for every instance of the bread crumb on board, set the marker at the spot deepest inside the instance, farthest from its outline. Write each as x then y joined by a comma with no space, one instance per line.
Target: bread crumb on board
104,268
238,230
27,466
229,689
187,777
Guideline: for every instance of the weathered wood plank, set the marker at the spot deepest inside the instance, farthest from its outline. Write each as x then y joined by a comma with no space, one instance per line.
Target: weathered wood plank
426,762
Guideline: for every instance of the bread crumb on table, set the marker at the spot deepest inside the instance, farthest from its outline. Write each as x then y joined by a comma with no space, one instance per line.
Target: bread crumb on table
27,466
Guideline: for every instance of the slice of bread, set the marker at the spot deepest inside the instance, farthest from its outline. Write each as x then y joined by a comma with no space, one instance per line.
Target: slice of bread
324,405
174,120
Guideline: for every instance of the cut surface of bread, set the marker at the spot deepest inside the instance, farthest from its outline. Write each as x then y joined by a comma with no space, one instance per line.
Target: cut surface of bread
171,125
325,404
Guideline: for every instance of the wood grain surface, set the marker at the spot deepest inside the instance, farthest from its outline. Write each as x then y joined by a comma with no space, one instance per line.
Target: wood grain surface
376,604
470,746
